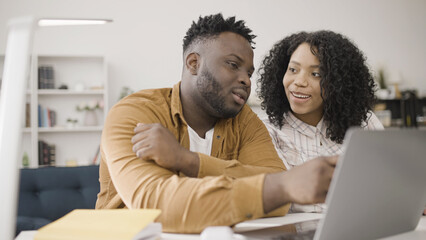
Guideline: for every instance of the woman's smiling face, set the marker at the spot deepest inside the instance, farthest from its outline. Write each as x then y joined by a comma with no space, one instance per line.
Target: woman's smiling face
302,85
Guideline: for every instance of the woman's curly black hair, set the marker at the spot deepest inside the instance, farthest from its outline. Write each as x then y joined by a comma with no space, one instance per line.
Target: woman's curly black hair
213,25
347,86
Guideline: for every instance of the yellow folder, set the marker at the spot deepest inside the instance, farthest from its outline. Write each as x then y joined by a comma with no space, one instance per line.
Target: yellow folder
109,224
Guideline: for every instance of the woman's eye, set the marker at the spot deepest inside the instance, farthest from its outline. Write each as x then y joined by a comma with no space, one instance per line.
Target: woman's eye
290,69
316,74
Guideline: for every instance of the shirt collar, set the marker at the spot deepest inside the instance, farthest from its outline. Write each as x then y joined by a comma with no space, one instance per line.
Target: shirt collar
176,105
304,128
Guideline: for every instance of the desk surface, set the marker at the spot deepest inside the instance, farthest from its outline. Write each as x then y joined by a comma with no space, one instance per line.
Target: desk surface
418,234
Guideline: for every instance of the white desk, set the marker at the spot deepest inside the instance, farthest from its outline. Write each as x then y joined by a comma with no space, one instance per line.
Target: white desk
418,234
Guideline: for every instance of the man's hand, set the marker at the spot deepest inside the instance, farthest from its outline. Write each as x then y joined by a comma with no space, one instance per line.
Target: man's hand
304,184
308,183
157,143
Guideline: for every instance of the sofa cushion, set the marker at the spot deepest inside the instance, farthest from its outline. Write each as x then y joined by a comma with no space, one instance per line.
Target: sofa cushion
51,192
30,223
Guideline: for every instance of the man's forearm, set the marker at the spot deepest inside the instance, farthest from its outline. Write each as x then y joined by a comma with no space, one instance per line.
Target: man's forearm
274,195
212,166
304,184
189,164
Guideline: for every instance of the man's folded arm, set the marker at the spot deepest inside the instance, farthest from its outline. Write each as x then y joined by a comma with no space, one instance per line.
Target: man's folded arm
144,184
211,166
188,204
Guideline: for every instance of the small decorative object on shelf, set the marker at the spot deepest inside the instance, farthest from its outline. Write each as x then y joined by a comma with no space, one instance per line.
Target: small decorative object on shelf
385,117
90,106
71,122
79,87
63,86
381,78
25,160
71,162
125,91
90,118
96,87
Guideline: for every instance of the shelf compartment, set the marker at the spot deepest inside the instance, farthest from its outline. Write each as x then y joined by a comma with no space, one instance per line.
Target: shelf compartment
69,92
71,129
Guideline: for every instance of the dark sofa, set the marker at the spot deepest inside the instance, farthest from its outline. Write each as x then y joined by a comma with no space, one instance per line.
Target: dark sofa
46,194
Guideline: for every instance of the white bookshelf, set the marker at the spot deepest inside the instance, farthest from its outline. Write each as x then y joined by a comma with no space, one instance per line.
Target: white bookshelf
26,138
87,80
59,92
1,66
69,129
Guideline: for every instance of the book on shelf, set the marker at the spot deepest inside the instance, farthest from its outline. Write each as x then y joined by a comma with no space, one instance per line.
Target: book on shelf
52,154
40,153
46,117
46,154
46,78
52,118
104,224
39,115
27,115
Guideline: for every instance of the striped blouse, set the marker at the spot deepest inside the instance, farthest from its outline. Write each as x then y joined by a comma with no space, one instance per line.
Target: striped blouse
298,142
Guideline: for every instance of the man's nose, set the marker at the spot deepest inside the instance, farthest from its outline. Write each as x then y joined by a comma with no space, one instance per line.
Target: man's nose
244,79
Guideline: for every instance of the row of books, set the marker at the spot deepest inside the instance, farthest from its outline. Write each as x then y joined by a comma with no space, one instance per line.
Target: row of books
46,79
46,154
46,117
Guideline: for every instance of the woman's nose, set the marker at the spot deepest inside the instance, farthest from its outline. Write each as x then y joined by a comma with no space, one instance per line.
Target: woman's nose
301,80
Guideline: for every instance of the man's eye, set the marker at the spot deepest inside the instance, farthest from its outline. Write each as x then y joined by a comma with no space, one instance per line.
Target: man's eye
233,65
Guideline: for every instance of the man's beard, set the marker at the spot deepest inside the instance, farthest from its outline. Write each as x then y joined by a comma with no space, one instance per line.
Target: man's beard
210,90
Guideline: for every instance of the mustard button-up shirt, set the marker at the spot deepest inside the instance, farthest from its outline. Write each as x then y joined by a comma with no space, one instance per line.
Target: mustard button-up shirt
229,185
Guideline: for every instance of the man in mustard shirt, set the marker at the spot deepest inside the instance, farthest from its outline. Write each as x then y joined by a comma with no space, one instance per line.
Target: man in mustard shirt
197,151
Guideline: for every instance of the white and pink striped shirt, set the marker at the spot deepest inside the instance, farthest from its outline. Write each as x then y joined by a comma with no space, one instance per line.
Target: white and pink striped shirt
298,142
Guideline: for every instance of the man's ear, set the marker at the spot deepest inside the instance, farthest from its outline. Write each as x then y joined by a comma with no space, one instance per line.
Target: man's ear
192,63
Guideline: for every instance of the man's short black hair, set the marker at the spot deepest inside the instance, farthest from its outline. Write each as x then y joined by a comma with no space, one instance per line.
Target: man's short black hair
212,26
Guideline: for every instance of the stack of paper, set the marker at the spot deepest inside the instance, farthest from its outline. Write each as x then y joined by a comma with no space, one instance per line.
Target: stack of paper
84,224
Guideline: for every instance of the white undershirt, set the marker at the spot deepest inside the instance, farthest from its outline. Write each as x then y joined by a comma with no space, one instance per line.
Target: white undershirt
198,144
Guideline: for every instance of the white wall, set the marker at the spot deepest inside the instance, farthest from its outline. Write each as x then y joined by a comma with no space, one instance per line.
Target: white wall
143,45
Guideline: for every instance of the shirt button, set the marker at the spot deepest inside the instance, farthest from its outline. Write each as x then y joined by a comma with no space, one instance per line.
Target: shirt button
249,215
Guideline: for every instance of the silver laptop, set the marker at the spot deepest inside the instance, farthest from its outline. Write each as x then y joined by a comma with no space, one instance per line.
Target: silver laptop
378,189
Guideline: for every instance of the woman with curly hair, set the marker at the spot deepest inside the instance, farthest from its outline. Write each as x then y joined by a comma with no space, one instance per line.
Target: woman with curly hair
314,86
